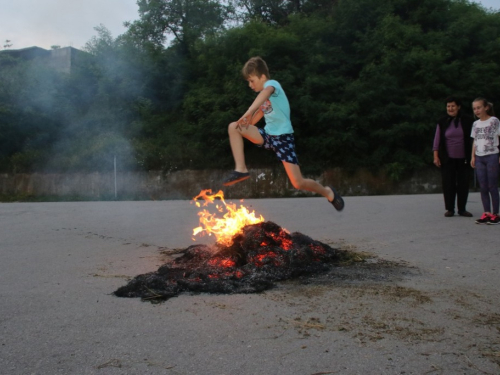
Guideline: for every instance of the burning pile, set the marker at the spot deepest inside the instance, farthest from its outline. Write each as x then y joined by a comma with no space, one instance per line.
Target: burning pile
257,255
230,224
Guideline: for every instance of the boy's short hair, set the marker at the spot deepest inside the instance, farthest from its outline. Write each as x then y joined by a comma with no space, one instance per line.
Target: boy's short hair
256,66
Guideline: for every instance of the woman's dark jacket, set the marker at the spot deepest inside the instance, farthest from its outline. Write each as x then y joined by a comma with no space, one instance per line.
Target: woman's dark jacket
446,121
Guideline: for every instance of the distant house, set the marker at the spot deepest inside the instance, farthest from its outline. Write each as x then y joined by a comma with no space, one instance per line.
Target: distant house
61,59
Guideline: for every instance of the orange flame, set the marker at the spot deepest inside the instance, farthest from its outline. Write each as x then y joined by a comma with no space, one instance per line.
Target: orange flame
232,222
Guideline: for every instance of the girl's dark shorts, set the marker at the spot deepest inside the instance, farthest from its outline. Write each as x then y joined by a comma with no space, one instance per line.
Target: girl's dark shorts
283,145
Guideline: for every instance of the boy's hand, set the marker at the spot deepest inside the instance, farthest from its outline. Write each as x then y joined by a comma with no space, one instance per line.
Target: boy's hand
250,118
243,122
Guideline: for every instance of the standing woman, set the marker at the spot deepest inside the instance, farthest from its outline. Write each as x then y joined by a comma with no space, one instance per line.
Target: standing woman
452,147
485,133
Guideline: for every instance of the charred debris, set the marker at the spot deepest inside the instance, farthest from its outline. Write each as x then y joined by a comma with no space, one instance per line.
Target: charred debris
259,256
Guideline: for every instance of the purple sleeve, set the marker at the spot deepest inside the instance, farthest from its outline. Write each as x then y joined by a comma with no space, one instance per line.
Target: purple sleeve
437,139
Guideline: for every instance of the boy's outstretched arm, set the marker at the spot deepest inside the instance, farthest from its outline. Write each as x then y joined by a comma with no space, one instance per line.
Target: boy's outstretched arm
246,119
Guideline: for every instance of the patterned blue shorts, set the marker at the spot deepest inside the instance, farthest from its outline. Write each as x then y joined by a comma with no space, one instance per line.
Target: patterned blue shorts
283,145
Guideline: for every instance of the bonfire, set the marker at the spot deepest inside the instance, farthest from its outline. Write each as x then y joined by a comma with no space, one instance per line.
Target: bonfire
249,255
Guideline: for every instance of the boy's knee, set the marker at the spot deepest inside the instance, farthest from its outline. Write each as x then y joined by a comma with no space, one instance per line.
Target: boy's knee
232,127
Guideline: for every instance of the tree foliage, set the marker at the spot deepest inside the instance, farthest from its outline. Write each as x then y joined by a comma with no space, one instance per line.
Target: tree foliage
366,80
185,20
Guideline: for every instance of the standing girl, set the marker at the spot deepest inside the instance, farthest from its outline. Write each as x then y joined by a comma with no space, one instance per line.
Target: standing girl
485,158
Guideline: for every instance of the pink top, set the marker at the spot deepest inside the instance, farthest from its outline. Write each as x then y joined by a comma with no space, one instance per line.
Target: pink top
454,138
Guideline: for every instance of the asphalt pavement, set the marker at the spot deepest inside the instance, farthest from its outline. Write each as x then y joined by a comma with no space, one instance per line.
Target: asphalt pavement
426,303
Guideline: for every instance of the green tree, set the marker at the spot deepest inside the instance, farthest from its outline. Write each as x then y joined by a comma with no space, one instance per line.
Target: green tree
28,122
185,21
365,79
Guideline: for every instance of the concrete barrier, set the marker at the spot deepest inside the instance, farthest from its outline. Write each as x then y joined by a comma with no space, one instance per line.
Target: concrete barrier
156,185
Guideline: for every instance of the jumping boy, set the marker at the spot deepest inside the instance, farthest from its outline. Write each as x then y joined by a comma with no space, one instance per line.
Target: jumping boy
277,135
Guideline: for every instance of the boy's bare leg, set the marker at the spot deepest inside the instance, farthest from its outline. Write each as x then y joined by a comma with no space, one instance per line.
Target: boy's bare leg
236,135
301,183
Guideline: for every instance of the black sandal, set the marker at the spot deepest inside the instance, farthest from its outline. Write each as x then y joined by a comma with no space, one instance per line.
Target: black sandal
337,202
235,177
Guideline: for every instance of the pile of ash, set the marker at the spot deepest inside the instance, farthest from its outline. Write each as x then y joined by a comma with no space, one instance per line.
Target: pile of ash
261,255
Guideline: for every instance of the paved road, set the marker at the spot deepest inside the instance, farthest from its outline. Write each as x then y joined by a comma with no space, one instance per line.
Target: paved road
60,262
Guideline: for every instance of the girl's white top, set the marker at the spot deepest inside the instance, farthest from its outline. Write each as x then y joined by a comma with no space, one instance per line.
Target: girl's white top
485,134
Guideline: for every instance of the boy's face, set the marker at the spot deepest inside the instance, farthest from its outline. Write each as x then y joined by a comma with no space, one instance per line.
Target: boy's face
256,83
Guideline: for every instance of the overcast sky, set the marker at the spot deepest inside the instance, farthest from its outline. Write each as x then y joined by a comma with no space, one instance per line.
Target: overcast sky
45,23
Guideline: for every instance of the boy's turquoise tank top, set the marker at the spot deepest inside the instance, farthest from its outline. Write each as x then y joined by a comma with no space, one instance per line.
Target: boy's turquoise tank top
277,111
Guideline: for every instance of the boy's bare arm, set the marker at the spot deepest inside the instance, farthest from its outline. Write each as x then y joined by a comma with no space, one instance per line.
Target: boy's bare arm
255,118
246,119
